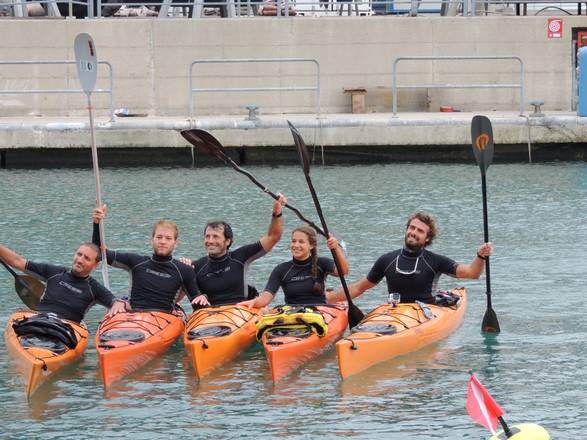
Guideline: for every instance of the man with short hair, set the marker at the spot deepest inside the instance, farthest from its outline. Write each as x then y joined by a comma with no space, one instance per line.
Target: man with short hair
413,271
157,280
222,274
68,293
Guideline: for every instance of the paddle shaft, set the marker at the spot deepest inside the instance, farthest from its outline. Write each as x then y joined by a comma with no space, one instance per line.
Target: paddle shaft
276,197
332,251
98,194
9,269
486,237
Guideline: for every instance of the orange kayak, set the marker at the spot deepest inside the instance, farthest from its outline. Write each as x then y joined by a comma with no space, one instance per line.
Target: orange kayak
41,344
390,331
127,341
216,335
289,348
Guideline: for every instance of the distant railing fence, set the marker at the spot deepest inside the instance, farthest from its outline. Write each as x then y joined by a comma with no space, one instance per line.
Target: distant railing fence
288,88
396,62
22,91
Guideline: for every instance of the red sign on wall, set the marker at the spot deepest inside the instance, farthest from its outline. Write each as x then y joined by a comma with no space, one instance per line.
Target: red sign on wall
555,28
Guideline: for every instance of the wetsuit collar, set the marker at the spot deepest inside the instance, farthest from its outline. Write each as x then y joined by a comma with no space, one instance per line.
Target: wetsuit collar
77,277
412,254
218,259
302,262
161,259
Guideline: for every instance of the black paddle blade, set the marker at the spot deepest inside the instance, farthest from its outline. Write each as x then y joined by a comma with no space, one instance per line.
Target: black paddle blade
29,290
482,141
301,146
355,315
203,144
490,323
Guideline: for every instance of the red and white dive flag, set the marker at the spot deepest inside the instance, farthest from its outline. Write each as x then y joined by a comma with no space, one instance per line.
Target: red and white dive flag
481,406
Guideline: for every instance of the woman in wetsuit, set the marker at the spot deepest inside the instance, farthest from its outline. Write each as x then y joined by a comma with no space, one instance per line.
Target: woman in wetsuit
302,279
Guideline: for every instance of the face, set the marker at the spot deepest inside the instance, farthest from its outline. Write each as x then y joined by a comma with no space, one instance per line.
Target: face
85,260
163,241
300,246
215,243
417,235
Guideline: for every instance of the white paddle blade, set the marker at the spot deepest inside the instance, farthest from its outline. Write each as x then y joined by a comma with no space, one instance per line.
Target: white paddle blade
86,61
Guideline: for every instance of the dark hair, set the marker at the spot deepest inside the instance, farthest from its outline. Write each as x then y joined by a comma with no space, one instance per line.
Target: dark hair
313,239
94,247
428,220
217,224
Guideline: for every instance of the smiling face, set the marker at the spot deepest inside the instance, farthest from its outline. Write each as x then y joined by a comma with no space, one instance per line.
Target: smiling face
417,235
215,241
164,241
300,245
85,260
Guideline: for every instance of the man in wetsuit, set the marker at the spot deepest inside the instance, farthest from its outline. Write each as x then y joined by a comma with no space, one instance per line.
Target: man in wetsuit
157,280
413,271
222,273
68,293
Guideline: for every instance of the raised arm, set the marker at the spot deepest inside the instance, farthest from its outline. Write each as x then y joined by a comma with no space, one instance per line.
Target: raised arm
275,231
332,243
12,258
475,268
355,289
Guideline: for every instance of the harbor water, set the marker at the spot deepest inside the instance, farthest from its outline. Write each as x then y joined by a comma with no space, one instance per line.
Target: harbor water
535,368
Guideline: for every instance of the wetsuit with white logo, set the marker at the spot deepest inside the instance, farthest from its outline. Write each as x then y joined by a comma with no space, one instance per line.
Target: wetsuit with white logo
224,279
295,279
413,274
155,282
67,295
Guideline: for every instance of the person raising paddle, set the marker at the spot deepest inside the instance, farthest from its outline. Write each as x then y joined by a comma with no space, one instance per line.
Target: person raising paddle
222,273
69,293
157,280
413,270
303,277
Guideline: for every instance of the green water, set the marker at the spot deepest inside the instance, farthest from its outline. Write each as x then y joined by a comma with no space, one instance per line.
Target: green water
535,368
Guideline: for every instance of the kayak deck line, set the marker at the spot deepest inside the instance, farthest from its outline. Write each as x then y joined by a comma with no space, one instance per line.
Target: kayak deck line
216,335
406,329
36,364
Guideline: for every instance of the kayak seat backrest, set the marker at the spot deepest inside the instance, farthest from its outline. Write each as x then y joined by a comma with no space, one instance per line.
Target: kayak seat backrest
122,335
50,343
292,331
46,325
209,332
379,328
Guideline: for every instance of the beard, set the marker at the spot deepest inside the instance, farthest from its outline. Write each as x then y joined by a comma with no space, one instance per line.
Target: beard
413,246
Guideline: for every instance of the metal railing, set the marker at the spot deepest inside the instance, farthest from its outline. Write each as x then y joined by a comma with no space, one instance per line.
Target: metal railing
294,88
395,87
60,91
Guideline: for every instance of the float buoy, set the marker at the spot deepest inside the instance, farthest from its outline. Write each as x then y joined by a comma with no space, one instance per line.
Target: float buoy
524,431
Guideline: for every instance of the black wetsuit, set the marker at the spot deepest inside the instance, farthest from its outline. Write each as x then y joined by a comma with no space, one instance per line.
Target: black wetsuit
421,270
224,279
67,295
295,279
155,282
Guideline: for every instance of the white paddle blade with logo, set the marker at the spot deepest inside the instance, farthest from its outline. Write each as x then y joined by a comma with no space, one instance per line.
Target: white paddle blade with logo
86,61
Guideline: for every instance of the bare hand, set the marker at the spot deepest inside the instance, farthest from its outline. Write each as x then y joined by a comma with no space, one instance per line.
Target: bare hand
185,261
99,213
485,250
201,301
118,306
279,204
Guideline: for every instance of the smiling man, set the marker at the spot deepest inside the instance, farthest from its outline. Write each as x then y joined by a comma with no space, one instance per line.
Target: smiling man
222,274
157,280
68,293
413,271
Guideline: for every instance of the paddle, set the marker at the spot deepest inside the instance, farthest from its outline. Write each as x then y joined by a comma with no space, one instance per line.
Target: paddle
354,313
87,66
482,141
205,143
28,288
